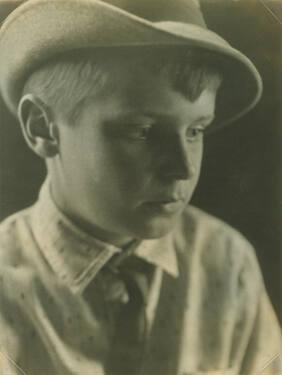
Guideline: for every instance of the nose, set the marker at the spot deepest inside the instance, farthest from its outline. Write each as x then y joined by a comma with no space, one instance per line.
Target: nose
177,161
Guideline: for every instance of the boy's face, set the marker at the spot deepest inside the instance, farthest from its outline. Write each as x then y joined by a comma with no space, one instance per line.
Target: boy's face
129,166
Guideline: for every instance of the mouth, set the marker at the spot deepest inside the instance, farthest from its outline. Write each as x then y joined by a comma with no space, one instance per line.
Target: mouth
168,205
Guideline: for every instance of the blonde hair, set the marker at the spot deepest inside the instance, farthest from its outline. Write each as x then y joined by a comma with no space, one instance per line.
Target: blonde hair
66,81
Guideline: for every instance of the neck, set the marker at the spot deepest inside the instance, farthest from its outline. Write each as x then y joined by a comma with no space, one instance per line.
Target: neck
116,239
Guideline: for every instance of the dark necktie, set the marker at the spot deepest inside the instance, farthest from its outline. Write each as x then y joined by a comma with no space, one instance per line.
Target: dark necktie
127,349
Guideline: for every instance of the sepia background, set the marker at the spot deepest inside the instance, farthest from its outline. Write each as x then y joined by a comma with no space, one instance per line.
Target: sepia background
241,178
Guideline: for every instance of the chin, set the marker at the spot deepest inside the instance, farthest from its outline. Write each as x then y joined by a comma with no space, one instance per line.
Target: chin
156,228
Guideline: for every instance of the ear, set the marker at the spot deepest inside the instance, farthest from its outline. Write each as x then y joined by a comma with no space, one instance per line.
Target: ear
38,127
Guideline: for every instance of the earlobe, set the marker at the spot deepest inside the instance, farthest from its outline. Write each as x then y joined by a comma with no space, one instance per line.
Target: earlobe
38,127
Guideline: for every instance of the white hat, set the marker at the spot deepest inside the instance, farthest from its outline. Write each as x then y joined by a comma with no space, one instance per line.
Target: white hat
40,29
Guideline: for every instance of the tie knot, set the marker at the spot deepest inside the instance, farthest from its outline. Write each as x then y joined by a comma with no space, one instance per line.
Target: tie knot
129,281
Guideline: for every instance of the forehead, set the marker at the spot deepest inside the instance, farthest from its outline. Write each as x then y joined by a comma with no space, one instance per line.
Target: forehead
136,69
139,91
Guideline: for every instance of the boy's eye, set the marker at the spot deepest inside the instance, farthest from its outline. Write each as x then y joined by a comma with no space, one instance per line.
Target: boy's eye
140,132
195,133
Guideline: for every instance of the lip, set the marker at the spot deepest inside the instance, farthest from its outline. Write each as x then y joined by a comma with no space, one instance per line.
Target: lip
171,205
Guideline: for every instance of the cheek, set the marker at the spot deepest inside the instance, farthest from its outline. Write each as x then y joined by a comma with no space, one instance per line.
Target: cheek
127,163
115,173
195,152
198,156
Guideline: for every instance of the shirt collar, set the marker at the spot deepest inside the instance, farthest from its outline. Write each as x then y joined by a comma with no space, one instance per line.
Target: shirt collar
76,257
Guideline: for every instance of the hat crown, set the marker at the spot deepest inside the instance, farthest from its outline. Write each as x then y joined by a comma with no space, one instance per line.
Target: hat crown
41,29
185,11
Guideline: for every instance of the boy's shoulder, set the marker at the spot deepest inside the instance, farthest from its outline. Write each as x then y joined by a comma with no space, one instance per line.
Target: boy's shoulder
215,245
200,224
15,258
18,280
13,232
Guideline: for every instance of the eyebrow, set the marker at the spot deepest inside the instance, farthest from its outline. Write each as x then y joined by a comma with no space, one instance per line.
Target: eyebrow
160,116
208,118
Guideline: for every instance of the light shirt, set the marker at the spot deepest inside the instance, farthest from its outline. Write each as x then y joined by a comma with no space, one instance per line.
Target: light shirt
207,310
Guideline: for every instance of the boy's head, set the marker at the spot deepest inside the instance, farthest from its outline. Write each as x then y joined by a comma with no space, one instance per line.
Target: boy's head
122,134
117,104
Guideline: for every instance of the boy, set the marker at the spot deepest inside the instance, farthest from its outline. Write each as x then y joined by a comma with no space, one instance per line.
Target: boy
111,271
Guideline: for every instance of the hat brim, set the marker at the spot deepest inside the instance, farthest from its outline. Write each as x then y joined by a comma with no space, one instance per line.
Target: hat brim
41,29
